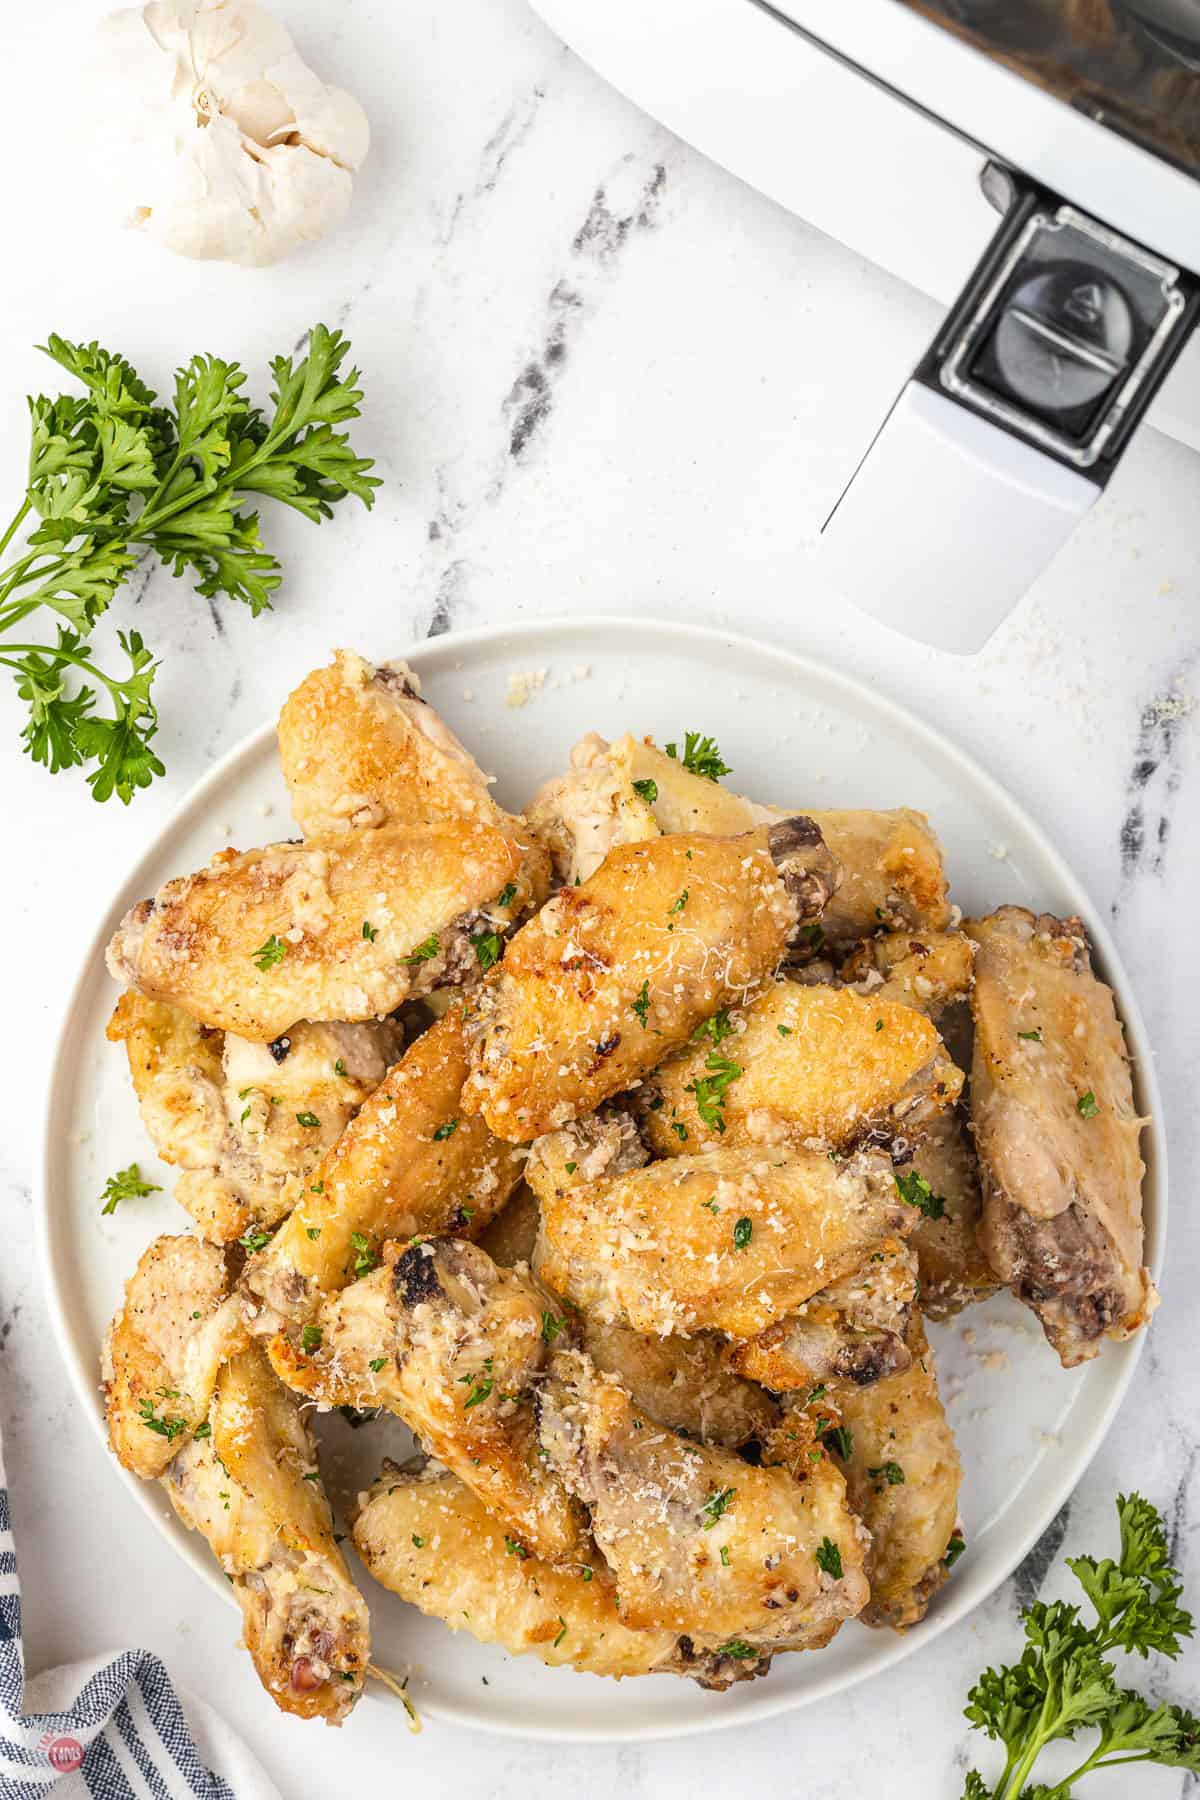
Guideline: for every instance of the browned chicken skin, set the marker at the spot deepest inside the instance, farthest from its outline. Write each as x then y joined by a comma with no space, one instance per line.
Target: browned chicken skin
1057,1133
613,975
853,1330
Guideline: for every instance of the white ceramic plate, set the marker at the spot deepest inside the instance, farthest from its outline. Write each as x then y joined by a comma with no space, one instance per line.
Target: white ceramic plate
793,733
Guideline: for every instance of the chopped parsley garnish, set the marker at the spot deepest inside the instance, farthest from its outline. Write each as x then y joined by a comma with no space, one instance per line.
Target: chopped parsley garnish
711,1204
710,1089
506,895
487,947
444,1131
245,1114
311,1475
840,1437
370,932
418,1540
916,1191
718,1502
743,1231
814,935
891,1472
255,1239
701,756
513,1548
680,1132
562,1633
677,906
310,1339
365,1258
376,1363
126,1184
480,1389
586,1572
1031,1037
339,1068
646,790
829,1558
718,1028
816,1393
313,1232
552,1326
784,1030
272,952
1087,1106
954,1549
318,1187
203,1431
737,1648
309,1120
426,951
879,1024
169,1426
571,1167
724,1556
641,1006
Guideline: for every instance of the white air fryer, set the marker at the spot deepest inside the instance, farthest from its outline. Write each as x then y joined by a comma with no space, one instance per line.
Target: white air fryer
1030,163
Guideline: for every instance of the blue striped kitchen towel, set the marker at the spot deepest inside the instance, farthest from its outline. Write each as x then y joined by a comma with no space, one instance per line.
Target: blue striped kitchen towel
112,1729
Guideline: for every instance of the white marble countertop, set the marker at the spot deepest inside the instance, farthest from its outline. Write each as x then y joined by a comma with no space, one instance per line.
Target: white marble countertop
602,376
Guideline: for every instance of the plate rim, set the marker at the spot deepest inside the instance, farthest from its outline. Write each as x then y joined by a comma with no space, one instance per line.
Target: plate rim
428,657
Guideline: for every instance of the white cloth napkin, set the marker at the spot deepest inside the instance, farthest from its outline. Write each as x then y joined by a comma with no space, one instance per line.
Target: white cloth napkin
114,1728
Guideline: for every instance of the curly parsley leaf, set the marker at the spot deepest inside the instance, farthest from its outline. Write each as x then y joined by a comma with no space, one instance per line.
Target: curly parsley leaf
700,756
126,1184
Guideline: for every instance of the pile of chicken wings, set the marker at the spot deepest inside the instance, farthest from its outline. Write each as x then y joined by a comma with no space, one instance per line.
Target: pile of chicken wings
622,1149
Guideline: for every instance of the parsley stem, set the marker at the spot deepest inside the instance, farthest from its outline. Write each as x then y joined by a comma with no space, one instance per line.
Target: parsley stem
71,656
17,522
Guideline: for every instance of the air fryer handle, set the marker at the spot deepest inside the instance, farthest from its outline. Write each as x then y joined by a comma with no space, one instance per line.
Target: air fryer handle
1013,422
947,521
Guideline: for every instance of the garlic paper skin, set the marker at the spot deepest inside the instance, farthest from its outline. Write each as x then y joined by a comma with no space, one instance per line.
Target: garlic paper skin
222,141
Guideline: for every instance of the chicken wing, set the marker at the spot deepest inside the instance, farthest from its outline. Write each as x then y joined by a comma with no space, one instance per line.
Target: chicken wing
409,1164
253,1489
611,976
729,1241
621,793
509,1238
853,1330
1057,1133
699,1541
163,1350
684,1383
247,1122
455,1346
430,1540
342,927
360,747
953,1270
902,1479
927,970
804,1066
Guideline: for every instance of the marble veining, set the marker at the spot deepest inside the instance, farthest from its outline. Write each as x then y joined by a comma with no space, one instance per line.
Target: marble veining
602,376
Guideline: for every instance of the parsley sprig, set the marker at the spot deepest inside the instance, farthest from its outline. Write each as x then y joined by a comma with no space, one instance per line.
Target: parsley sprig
126,1184
700,755
112,475
1064,1682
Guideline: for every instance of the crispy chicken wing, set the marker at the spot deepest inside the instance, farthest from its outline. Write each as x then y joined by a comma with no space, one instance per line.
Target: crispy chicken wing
455,1346
684,1383
253,1489
611,976
953,1269
342,927
730,1241
698,1540
409,1164
902,1479
163,1351
430,1540
927,970
853,1330
1057,1133
509,1238
360,747
246,1122
892,863
801,1065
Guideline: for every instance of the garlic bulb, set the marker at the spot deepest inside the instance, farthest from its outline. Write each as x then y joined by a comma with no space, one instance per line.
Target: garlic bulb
223,141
